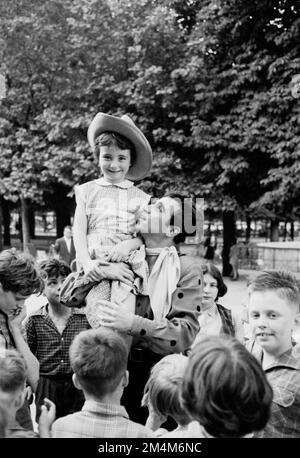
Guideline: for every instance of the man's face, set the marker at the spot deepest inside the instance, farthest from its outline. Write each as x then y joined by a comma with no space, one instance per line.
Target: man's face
11,303
156,218
271,320
52,289
68,233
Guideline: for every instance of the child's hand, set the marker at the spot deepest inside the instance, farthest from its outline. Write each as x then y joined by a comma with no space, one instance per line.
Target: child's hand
16,317
118,254
155,419
92,270
47,417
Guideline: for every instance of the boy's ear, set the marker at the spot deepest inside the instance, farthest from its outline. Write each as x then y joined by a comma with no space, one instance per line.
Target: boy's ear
76,382
20,399
297,321
125,379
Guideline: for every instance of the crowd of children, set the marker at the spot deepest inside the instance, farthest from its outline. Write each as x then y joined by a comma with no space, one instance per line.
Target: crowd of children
74,361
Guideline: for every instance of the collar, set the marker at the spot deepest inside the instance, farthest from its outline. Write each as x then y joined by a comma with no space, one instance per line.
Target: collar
290,358
126,184
43,311
104,409
211,311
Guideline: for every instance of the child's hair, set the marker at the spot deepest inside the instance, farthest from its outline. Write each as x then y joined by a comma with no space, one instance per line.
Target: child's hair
113,139
212,270
99,359
53,268
162,390
13,371
225,388
18,273
283,282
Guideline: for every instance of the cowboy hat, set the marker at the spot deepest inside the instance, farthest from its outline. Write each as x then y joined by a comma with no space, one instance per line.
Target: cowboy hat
125,126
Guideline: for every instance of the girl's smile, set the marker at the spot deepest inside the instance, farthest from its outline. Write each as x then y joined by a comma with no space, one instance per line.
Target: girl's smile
114,163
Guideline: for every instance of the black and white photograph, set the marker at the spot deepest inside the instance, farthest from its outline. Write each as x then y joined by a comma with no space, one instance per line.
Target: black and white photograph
150,225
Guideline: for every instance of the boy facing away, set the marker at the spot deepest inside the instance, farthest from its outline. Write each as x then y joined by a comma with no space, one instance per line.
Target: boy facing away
273,316
99,359
225,390
50,331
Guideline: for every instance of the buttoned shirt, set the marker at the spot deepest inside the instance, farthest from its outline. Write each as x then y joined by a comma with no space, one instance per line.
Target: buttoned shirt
284,377
99,420
49,345
68,243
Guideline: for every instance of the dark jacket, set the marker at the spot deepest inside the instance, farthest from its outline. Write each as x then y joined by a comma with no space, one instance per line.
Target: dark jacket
61,249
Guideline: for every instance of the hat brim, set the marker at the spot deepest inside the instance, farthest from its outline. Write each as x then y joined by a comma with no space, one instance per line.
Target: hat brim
143,161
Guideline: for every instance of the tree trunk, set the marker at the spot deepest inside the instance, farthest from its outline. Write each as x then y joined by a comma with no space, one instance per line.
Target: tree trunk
229,237
285,231
63,218
1,223
292,230
25,224
31,223
6,222
274,236
248,228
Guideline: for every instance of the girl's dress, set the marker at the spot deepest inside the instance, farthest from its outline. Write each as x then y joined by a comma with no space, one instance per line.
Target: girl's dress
111,215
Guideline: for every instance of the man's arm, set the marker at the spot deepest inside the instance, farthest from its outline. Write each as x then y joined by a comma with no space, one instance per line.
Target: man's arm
172,334
32,363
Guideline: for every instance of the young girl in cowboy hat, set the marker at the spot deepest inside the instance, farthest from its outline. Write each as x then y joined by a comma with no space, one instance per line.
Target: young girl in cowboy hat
105,216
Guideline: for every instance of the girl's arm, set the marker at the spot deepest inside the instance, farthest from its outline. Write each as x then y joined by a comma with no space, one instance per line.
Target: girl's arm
123,249
90,266
79,234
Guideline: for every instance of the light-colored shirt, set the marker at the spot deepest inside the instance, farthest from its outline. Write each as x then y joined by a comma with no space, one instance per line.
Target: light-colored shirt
210,323
68,243
99,420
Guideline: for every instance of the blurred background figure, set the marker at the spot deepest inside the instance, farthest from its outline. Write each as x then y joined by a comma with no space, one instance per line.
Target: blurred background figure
64,247
210,246
234,260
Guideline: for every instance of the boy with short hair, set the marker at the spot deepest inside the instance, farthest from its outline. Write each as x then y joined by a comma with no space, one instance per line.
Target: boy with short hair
50,331
19,279
99,360
225,390
273,316
13,391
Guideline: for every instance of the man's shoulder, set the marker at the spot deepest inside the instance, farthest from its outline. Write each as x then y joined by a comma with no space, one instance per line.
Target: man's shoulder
188,262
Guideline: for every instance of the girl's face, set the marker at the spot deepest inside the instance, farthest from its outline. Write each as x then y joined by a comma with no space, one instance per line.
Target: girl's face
114,163
210,290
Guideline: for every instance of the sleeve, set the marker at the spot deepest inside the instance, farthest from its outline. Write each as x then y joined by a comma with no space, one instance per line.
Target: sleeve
30,334
80,194
176,332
